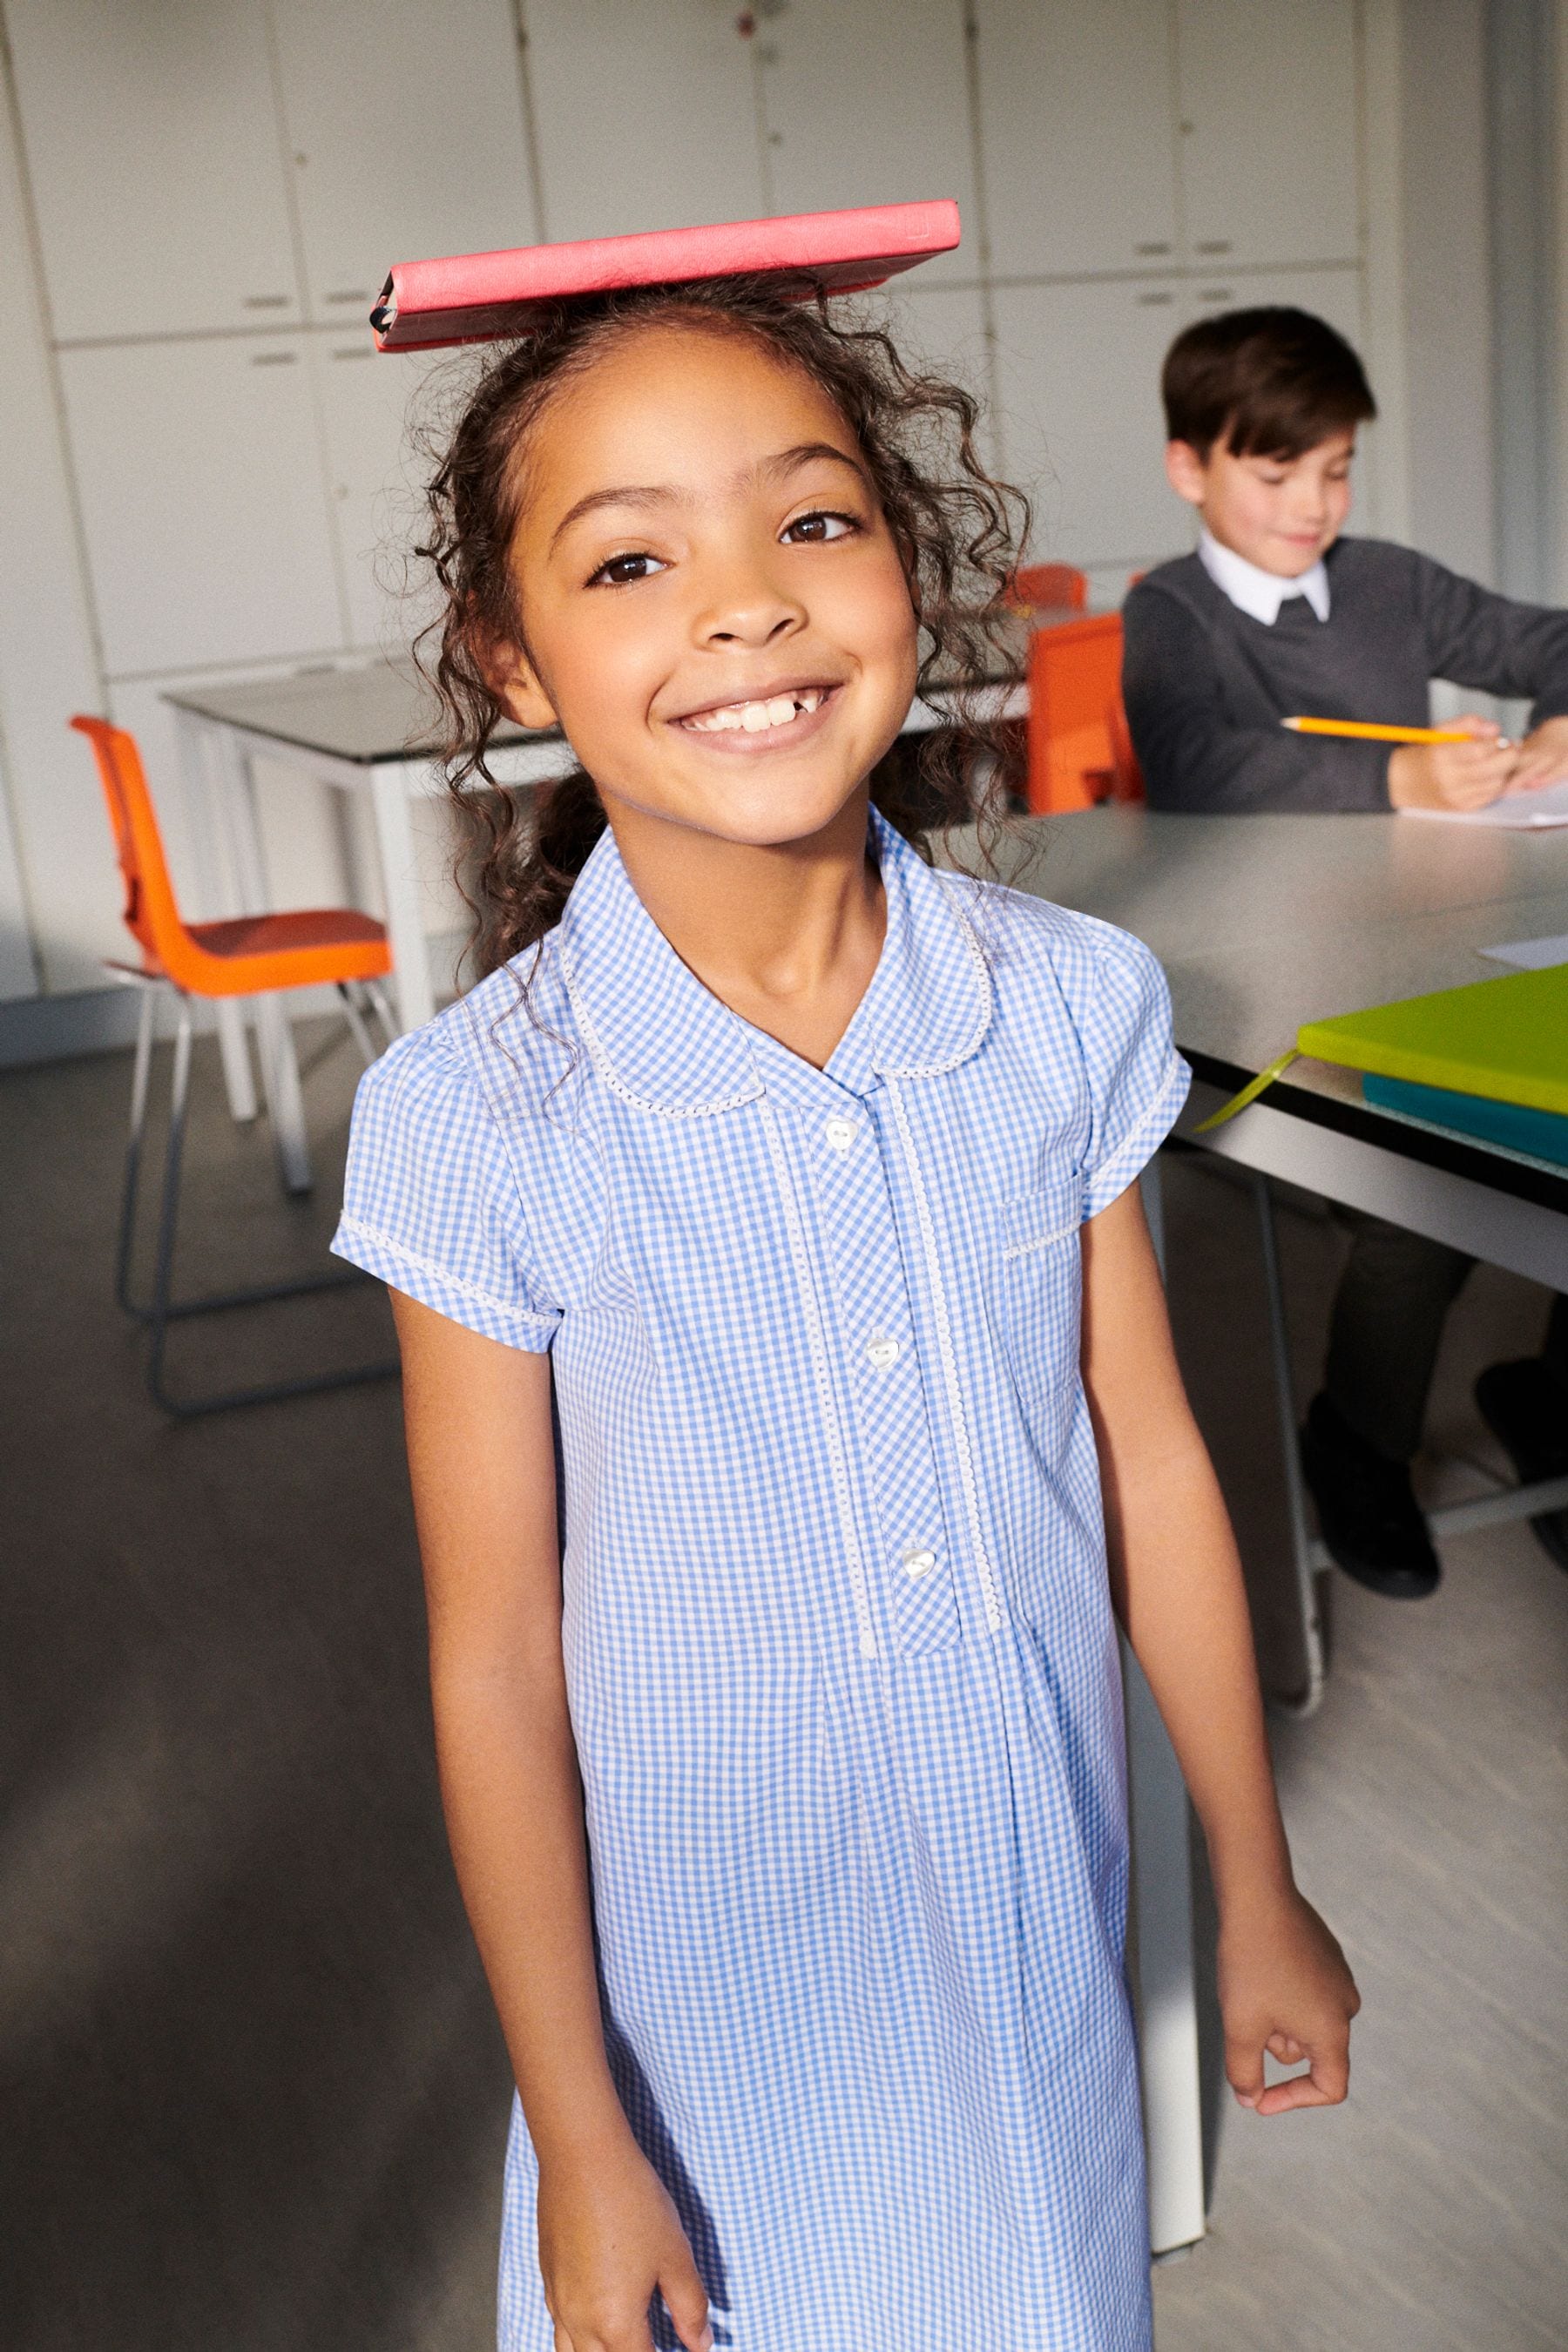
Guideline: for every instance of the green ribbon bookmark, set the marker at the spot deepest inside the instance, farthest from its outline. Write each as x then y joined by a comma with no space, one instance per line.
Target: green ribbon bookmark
1249,1093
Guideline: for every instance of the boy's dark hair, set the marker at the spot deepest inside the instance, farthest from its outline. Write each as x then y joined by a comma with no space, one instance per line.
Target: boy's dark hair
956,529
1270,382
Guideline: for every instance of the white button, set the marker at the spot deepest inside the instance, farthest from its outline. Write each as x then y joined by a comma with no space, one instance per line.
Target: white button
882,1350
917,1561
840,1134
868,1645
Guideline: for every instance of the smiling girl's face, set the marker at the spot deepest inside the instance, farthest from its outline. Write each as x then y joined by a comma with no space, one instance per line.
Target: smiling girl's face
715,611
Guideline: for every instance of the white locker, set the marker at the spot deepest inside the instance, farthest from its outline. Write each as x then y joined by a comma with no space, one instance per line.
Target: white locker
1077,135
156,171
1269,109
199,471
406,132
1081,429
644,116
372,409
869,105
942,327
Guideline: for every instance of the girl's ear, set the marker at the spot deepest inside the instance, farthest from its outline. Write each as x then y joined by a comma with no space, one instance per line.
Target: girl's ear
516,684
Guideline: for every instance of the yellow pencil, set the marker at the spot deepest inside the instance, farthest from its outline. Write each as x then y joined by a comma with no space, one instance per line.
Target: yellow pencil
1366,731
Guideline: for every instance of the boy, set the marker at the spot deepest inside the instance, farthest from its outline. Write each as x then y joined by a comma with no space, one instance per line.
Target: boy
1276,614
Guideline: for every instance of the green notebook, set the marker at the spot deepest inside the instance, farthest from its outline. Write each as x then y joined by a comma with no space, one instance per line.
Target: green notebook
1506,1039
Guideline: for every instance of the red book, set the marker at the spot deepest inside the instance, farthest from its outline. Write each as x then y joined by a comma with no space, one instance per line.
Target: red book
478,298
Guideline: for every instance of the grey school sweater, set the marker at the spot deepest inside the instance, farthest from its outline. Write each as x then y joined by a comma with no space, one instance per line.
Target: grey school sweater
1206,686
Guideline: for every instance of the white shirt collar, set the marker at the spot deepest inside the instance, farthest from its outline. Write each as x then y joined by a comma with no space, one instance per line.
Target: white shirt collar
1253,590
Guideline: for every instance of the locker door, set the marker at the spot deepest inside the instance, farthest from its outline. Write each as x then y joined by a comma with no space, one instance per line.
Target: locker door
869,106
203,501
371,408
942,327
1077,135
154,159
406,128
1078,384
646,117
1268,106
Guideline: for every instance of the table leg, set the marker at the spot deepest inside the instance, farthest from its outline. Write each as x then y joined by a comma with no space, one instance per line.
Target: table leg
412,991
204,828
279,1068
1163,1968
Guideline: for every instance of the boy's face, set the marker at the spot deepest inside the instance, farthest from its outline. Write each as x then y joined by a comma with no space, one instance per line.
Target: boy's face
1281,513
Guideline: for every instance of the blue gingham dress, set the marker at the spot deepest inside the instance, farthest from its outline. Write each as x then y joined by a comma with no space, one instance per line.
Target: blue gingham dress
842,1665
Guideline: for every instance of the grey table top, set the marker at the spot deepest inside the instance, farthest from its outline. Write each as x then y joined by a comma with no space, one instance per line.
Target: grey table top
382,712
1265,922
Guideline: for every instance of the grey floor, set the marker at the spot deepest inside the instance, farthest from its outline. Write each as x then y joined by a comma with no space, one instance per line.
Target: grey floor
254,2098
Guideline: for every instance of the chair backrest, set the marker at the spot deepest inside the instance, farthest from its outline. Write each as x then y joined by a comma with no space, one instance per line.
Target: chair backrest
151,913
1080,750
1060,587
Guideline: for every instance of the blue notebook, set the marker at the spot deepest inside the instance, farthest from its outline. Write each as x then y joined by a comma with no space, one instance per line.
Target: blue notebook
1541,1133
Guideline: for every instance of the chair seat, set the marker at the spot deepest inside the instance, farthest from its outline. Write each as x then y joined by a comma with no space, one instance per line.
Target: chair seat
306,927
251,955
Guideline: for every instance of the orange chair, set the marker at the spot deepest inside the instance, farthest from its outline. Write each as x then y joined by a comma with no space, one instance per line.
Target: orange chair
251,955
1050,587
1079,750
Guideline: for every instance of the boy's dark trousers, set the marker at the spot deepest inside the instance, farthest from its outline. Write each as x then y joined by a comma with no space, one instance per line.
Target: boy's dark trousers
1388,1314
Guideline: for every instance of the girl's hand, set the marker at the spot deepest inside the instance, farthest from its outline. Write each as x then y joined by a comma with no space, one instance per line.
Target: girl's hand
609,2238
1284,1988
1453,775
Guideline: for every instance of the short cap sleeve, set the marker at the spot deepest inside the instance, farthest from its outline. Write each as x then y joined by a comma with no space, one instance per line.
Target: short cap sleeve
1137,1080
430,1196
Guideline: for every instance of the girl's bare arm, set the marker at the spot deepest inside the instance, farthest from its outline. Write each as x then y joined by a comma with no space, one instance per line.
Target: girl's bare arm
481,1459
1177,1587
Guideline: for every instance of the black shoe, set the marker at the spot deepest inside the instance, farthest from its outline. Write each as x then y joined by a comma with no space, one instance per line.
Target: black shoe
1525,1406
1371,1525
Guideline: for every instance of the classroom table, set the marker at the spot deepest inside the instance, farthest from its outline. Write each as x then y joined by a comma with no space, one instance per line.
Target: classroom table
1262,923
364,731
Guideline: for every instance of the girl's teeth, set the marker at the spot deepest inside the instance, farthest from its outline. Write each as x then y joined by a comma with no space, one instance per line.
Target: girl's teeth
756,717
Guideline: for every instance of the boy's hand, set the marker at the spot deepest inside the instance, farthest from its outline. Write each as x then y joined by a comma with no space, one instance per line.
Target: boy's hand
1454,775
1542,757
1284,1988
609,2238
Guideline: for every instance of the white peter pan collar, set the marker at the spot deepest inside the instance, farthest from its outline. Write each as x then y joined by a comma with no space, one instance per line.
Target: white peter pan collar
1259,592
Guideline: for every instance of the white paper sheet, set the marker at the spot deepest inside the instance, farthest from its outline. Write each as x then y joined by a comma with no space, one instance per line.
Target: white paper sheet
1516,813
1531,955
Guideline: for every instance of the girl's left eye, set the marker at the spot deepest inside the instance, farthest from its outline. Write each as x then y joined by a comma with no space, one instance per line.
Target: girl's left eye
623,569
815,529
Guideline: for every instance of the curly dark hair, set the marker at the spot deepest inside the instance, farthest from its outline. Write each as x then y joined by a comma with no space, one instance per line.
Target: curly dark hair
956,529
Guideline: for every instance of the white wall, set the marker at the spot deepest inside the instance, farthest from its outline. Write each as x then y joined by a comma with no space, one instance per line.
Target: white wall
198,196
1448,284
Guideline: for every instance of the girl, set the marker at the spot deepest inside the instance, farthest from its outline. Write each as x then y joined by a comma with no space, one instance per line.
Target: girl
791,1408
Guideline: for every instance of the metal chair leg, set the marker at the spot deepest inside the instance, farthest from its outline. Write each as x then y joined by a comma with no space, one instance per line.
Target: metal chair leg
1302,1543
162,1309
141,1072
356,1021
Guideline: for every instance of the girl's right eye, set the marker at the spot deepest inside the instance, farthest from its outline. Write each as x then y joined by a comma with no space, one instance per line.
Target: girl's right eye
621,570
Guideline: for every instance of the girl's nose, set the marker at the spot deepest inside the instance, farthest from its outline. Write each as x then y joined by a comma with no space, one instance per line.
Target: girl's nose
747,610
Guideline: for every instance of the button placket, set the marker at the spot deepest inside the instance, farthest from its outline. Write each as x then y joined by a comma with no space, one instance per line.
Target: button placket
861,1230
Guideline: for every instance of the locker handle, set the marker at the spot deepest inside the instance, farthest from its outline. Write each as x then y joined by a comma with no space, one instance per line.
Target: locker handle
354,294
1150,301
266,301
273,359
1217,294
1158,246
1212,244
353,352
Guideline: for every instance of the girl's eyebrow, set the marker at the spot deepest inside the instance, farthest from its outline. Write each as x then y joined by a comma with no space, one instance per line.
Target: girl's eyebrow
654,494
